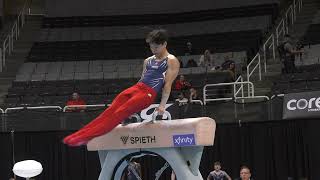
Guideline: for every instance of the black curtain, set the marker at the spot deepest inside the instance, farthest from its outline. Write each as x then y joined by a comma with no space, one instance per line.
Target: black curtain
274,150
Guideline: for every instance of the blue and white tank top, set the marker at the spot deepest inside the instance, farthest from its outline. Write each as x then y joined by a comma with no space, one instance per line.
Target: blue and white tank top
154,74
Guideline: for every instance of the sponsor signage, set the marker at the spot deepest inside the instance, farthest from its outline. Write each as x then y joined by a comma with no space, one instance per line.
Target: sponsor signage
138,139
184,140
301,105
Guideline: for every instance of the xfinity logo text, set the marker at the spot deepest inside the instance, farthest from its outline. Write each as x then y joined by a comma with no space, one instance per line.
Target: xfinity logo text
184,140
313,104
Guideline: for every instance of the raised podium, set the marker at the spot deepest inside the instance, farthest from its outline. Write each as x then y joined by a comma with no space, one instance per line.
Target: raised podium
180,142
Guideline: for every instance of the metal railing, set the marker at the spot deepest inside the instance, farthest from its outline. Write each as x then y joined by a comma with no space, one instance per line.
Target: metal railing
50,107
241,89
270,41
33,108
7,45
197,101
290,14
277,95
258,65
207,99
281,30
84,106
253,97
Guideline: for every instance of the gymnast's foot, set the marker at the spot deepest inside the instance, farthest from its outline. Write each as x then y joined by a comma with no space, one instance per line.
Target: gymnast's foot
76,141
75,134
71,136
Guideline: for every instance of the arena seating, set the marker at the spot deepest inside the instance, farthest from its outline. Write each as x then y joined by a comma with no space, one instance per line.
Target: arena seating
311,55
312,35
109,69
238,28
100,56
99,91
137,48
173,18
139,31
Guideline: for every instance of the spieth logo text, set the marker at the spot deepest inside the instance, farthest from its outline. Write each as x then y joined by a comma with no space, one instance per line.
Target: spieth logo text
313,104
184,140
138,139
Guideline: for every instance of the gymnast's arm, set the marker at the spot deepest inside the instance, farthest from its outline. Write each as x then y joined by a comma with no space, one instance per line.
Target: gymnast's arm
171,74
144,67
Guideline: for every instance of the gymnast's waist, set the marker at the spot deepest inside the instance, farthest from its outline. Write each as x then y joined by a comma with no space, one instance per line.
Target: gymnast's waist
147,88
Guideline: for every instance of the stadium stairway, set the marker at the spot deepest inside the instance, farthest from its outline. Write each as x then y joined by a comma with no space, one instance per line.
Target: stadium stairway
21,48
304,19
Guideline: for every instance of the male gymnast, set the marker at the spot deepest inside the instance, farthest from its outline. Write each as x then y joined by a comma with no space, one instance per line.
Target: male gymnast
159,72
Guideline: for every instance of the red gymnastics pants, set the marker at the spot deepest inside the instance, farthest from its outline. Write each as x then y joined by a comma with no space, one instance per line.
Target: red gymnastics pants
128,102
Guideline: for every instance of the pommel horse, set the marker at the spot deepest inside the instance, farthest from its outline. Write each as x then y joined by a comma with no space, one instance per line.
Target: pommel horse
180,142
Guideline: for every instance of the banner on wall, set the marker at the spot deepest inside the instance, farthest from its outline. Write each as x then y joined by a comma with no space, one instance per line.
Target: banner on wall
301,105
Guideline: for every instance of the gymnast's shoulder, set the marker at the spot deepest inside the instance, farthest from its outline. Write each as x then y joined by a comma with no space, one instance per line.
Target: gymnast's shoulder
171,56
173,60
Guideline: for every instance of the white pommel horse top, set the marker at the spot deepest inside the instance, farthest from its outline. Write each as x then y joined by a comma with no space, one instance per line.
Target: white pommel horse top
180,142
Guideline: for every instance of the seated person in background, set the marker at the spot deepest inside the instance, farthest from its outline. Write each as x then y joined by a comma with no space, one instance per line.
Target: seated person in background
245,173
193,94
229,65
226,64
217,173
206,60
182,100
75,100
189,50
191,63
182,84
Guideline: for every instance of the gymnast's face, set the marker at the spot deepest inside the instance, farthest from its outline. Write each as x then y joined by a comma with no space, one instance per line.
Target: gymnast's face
158,49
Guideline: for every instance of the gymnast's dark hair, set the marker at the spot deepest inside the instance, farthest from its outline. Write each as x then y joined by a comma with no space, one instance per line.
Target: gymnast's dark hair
157,36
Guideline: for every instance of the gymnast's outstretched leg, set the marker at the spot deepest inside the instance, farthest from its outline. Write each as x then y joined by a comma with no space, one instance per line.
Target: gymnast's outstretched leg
117,102
139,100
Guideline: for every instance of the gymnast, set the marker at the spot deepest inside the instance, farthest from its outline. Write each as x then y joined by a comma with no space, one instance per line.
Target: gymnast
159,72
